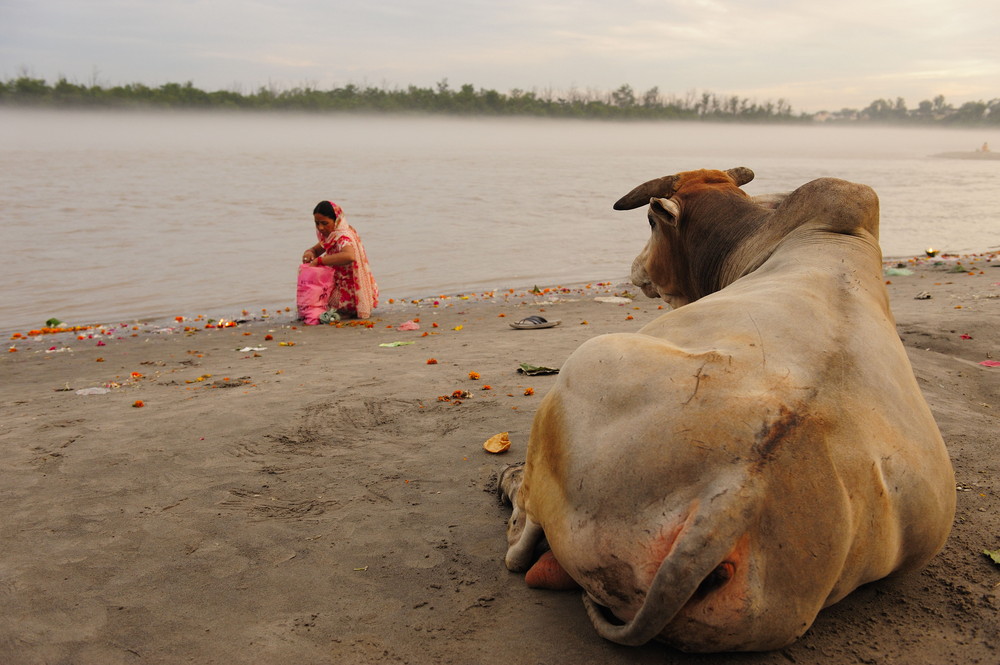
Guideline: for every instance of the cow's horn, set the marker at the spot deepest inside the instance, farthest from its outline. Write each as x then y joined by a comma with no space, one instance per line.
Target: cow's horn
741,175
661,187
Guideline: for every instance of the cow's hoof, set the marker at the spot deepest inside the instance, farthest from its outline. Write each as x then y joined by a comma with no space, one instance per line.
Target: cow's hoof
509,482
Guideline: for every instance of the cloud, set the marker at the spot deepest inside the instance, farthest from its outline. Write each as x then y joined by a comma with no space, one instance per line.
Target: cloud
807,53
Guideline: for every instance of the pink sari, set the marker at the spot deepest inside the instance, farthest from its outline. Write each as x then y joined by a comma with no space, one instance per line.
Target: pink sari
354,288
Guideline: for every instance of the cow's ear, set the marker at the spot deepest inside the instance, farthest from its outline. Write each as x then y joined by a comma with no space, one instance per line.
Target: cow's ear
665,210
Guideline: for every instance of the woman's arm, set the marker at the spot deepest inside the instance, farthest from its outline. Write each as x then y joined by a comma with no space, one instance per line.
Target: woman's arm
341,258
310,254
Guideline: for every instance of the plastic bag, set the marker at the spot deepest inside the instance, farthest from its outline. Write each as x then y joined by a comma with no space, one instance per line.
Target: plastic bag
313,291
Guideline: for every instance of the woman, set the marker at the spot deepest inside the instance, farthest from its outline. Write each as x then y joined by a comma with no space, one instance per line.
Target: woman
355,293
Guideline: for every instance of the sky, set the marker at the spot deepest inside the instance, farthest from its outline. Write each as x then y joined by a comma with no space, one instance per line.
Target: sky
814,55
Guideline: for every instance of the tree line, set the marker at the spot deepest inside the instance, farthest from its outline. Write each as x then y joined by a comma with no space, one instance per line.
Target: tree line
622,103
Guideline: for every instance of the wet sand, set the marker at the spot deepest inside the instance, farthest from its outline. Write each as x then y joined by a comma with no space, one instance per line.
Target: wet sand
324,499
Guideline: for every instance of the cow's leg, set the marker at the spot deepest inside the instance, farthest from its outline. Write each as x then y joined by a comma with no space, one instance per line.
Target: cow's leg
523,535
510,482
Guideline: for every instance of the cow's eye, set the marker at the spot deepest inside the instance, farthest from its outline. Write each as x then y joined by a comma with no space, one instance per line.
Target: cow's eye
652,223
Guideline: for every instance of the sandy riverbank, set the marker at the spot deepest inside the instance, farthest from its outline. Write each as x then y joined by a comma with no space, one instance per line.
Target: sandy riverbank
302,495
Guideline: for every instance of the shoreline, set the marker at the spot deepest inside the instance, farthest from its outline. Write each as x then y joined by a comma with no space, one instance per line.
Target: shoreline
273,493
285,314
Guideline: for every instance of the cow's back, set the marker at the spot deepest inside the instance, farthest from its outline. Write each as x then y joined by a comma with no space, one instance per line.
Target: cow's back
792,379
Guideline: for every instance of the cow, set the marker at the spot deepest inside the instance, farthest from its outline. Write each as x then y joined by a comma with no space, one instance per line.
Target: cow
755,453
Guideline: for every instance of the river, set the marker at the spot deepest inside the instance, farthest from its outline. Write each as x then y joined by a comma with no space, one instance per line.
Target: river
110,216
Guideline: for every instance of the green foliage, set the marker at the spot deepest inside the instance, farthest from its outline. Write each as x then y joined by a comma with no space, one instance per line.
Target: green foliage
624,103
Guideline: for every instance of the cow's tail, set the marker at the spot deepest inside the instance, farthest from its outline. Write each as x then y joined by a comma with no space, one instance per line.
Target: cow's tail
701,547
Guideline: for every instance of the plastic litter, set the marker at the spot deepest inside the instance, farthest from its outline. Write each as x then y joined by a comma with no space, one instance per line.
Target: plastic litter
92,391
896,272
613,299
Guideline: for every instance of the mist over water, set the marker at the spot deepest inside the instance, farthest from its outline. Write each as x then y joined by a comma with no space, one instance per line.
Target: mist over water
117,216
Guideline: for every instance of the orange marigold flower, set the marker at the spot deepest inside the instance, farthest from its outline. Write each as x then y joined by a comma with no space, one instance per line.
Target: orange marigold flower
629,317
529,391
487,387
99,360
268,338
136,375
138,404
474,376
432,361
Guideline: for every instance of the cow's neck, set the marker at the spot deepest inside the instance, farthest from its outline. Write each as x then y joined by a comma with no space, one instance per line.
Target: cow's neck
735,243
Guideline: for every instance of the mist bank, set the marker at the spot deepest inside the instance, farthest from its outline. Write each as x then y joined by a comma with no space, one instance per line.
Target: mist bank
624,103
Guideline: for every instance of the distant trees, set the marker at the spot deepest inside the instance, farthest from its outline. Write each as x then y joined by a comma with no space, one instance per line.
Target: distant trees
623,103
928,111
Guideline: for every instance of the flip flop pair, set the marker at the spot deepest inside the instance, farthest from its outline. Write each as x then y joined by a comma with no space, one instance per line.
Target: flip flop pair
533,322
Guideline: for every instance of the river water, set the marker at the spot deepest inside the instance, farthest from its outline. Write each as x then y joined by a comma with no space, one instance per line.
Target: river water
129,215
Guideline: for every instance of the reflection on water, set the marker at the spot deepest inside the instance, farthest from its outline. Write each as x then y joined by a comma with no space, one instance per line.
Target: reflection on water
124,215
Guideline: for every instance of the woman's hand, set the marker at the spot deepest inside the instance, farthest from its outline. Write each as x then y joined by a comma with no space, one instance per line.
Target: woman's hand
308,256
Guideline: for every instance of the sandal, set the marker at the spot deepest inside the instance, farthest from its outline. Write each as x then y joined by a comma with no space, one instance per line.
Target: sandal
534,322
329,316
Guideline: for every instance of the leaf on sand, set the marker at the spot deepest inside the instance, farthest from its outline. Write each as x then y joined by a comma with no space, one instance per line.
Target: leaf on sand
395,344
534,370
993,554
